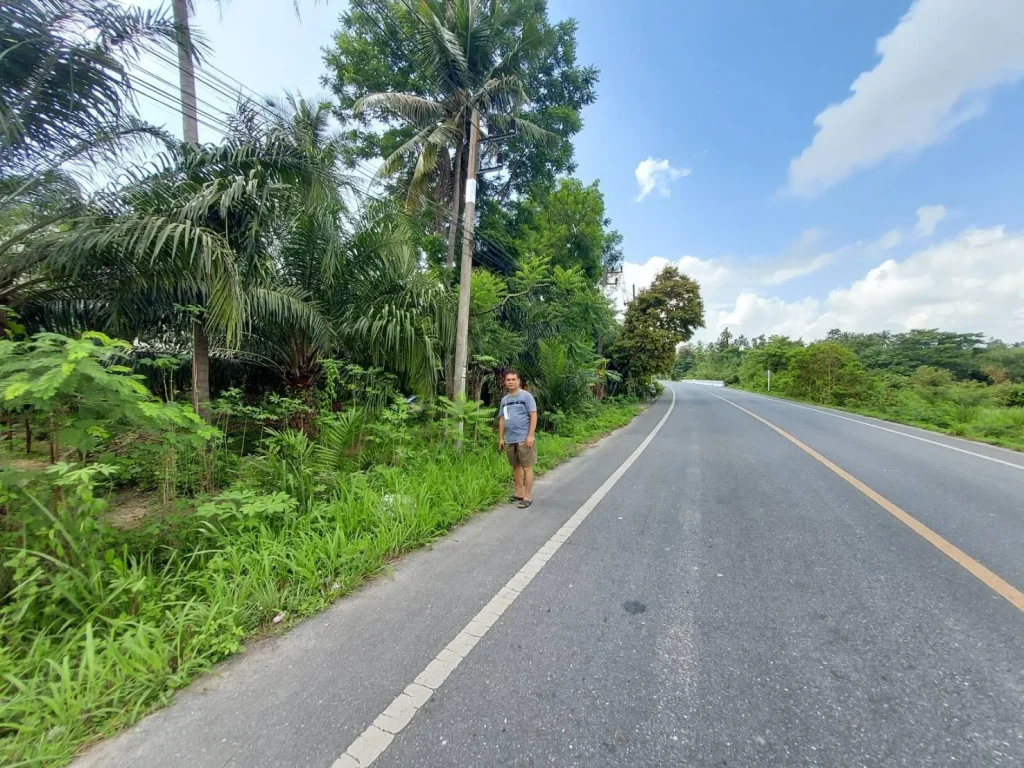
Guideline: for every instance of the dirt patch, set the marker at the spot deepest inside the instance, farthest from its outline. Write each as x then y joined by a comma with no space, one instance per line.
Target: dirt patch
24,465
129,508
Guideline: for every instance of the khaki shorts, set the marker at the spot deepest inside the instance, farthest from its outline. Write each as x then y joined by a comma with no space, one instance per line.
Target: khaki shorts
521,456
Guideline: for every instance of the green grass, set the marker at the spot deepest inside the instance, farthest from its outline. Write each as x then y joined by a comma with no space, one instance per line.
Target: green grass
987,424
126,618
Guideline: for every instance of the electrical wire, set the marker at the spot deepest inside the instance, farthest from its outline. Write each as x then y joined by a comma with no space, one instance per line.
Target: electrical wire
220,86
171,101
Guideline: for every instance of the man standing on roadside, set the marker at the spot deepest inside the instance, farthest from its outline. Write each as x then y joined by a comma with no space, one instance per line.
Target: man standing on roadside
517,423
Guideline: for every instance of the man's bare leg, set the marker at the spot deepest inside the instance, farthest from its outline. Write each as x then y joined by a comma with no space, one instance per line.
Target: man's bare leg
528,477
518,472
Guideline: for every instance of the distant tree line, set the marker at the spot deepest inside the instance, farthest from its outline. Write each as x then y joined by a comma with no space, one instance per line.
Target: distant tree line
957,382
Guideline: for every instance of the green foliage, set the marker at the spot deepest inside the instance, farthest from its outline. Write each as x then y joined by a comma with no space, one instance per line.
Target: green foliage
1001,363
567,227
566,373
65,86
65,107
951,382
101,624
463,419
903,353
84,397
826,372
657,320
372,54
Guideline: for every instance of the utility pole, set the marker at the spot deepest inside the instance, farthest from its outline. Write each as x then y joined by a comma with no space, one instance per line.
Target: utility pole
453,227
769,379
190,131
611,278
466,266
186,73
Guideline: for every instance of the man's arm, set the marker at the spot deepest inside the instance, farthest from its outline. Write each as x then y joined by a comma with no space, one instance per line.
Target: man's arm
533,422
501,432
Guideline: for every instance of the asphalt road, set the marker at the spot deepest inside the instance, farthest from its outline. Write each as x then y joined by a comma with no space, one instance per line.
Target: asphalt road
730,601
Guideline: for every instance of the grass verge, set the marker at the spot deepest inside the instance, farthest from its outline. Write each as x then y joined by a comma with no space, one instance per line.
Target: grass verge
980,424
127,617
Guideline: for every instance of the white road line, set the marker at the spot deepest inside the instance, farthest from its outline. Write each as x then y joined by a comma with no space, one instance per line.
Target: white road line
372,742
887,429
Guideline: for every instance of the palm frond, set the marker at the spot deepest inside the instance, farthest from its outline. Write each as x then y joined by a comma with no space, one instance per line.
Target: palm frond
440,49
291,307
414,109
525,127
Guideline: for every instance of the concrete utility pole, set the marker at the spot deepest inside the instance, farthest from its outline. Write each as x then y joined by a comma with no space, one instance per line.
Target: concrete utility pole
453,228
190,131
610,278
466,266
186,73
769,379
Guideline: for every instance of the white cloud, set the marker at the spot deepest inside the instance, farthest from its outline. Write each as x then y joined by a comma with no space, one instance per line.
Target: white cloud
654,175
713,275
785,274
934,67
928,217
973,282
803,257
889,240
753,315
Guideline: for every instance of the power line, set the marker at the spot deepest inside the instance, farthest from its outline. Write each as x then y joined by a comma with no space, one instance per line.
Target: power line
217,84
172,100
169,100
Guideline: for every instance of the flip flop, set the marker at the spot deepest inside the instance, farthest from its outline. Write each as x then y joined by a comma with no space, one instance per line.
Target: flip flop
524,503
513,498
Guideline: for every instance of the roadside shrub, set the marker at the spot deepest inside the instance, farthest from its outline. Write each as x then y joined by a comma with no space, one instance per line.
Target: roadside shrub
1011,396
100,624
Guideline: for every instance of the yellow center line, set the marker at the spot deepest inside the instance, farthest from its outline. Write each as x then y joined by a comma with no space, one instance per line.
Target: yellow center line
993,581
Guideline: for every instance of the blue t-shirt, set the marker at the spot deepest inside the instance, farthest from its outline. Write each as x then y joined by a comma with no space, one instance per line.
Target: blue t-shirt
517,409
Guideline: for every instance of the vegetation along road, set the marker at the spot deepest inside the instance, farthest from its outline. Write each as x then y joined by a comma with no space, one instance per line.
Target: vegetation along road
730,580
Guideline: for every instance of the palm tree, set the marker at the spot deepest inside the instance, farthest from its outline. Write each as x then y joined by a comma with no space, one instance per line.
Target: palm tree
190,126
193,244
392,312
457,49
64,98
362,271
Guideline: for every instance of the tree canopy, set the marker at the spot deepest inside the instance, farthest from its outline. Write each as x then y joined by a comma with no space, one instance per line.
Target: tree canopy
656,322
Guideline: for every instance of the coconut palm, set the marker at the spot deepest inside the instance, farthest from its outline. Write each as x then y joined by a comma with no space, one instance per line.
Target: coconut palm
457,49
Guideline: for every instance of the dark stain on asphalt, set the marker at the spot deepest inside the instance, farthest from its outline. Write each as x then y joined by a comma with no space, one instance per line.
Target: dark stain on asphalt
634,606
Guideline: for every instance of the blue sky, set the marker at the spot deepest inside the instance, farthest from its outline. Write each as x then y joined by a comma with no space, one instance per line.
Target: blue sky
813,164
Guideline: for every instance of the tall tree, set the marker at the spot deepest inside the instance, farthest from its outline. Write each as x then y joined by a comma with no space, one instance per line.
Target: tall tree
425,69
457,46
657,320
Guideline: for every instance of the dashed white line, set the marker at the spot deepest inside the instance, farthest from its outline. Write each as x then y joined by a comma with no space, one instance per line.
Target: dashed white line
372,742
893,431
